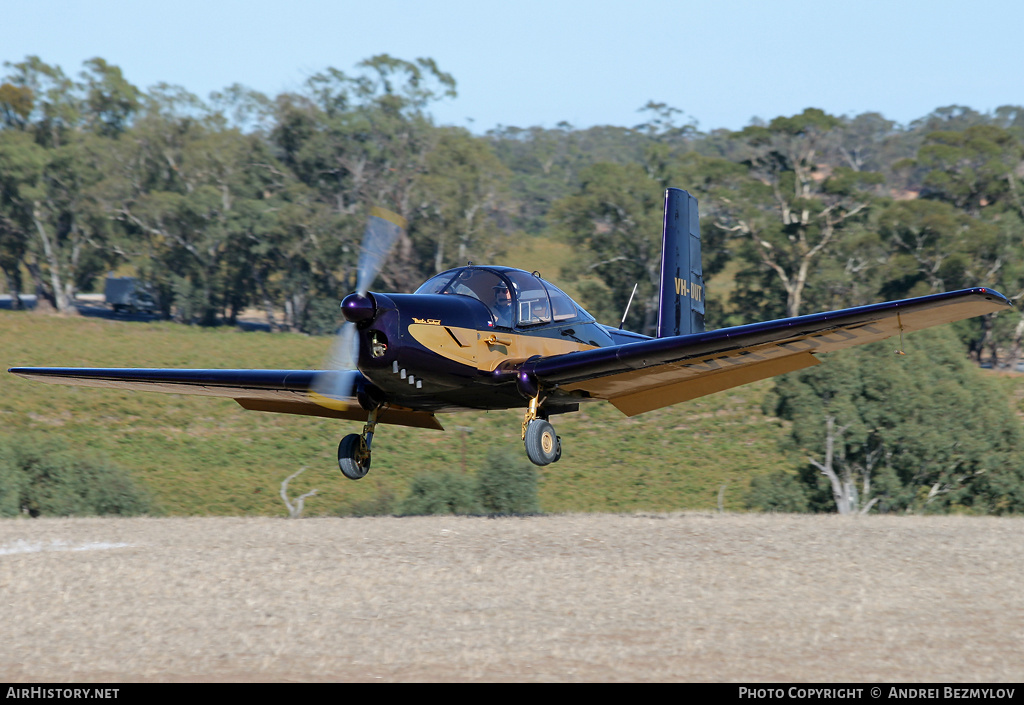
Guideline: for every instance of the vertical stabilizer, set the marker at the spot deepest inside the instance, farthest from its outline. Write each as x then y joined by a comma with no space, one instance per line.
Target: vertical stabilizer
681,307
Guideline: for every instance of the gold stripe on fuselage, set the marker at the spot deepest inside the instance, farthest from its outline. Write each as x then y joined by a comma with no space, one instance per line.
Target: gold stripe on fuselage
485,350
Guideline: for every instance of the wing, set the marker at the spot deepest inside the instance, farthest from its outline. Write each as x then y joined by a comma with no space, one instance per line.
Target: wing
281,391
639,377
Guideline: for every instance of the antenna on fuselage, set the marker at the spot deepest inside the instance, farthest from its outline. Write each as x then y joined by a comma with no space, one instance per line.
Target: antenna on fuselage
628,305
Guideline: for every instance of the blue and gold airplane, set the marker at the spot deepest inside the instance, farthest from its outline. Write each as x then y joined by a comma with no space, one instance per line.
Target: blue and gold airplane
483,337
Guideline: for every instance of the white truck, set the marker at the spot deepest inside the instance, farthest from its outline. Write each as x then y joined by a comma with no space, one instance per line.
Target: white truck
128,295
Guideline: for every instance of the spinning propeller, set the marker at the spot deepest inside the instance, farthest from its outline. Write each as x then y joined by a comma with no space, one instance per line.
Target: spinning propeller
337,385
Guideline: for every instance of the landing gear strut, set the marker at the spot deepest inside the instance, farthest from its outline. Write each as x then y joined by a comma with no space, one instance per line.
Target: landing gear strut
543,447
354,450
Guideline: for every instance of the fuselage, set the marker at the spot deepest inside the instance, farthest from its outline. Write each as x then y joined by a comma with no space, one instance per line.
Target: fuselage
458,341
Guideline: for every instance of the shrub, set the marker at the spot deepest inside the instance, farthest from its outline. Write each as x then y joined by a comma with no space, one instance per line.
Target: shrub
43,477
778,492
508,483
441,493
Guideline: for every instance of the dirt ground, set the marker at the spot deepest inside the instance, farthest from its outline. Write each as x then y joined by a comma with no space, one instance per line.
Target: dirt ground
681,597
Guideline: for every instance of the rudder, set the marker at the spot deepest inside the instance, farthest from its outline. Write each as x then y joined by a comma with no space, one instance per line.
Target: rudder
681,305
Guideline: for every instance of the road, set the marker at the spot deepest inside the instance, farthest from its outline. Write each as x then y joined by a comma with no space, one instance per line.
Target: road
94,306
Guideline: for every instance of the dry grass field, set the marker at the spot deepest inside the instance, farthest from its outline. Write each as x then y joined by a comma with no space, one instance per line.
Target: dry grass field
673,597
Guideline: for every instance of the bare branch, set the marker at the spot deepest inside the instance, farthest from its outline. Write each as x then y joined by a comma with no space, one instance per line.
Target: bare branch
295,510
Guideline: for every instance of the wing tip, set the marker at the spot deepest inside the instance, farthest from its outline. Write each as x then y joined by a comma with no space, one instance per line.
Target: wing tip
992,294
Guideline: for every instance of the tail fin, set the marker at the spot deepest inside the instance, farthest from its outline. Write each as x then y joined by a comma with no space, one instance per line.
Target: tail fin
681,308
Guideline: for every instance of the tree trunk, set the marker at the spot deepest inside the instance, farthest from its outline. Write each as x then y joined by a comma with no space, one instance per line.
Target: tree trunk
268,306
1018,334
840,489
60,296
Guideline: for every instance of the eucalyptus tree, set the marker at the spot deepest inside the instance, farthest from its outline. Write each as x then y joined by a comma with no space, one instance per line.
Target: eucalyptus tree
187,192
109,101
362,140
462,202
41,112
870,142
16,104
792,207
978,171
921,432
935,247
613,222
547,163
52,98
21,162
52,145
544,164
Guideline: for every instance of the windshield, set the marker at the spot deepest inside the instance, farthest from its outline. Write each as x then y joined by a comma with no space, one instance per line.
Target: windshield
529,301
484,285
435,284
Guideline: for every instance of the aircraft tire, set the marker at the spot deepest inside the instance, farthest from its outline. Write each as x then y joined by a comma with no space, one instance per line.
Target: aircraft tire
543,447
352,466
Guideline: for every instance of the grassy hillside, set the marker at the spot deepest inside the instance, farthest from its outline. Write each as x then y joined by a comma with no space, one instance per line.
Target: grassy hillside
202,456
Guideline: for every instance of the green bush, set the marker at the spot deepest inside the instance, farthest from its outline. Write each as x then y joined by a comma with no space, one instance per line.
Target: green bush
778,492
508,483
441,493
42,477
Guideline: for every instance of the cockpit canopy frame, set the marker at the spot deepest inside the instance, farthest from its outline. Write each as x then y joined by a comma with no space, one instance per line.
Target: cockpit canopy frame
515,298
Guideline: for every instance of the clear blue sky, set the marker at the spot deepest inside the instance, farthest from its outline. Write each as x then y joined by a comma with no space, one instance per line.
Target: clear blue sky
539,62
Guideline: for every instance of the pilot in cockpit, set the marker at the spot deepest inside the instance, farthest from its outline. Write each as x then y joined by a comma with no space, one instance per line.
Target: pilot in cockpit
502,306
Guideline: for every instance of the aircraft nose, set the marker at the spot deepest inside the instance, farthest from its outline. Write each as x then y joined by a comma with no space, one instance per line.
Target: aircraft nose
358,308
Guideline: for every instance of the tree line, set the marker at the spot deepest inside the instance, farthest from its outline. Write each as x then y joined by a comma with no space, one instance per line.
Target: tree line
248,200
236,201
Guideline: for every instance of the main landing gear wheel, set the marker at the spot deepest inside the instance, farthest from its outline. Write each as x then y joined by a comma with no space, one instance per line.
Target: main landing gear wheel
543,447
353,457
354,449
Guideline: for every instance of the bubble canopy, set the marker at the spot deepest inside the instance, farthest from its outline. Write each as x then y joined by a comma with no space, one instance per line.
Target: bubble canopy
514,297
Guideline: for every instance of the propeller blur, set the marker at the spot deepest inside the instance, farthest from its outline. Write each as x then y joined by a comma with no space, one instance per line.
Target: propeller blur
339,380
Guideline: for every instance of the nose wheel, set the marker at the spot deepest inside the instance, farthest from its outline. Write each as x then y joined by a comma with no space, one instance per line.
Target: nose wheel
354,450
